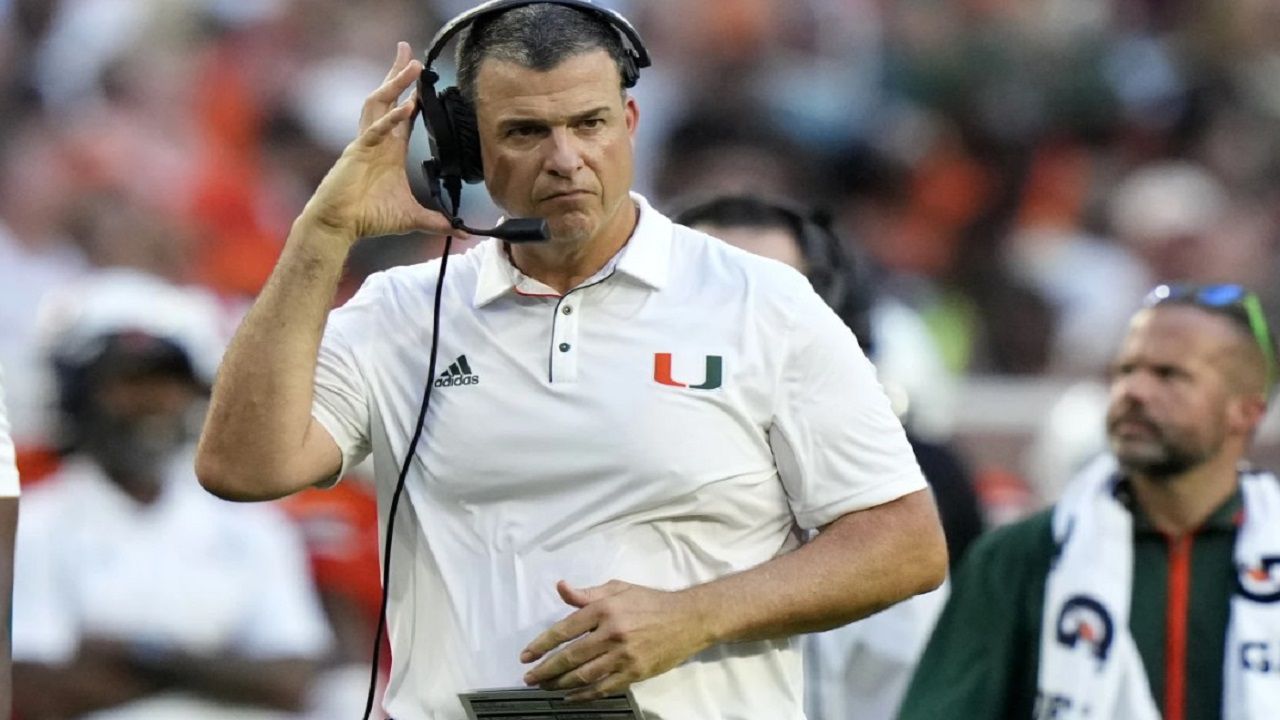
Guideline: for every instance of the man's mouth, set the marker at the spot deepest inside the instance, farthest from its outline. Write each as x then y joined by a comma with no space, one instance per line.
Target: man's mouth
1133,426
565,195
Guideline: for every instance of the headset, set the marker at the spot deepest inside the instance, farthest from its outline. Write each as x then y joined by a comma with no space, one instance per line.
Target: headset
450,123
450,120
842,282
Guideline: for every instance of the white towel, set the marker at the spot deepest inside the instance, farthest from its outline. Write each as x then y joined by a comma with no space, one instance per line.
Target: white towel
1089,664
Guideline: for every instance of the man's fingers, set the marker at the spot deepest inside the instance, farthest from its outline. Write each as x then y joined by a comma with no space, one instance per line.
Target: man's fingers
402,59
578,623
585,674
384,125
608,685
567,660
572,595
581,597
388,94
391,90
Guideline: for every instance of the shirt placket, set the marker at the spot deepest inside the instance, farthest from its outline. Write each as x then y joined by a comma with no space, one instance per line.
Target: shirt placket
563,363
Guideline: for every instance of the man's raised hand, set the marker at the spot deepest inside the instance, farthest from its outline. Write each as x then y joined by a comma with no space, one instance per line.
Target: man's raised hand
366,192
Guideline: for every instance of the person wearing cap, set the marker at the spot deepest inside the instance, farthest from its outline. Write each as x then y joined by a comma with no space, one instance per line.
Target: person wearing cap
1151,589
9,491
137,594
629,427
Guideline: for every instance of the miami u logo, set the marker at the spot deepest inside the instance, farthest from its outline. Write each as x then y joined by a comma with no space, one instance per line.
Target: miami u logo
1084,619
1261,583
714,373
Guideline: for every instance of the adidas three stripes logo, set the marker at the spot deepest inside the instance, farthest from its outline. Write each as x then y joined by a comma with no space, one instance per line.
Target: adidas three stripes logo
458,373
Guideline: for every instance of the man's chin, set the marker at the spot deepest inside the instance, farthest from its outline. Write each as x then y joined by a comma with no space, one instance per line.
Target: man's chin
1151,463
573,229
1138,457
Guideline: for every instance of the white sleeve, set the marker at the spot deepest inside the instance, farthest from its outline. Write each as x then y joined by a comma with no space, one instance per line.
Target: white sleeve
837,443
46,626
287,620
342,397
8,459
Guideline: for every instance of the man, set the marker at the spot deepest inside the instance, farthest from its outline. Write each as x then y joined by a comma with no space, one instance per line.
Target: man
637,420
1150,589
139,596
8,527
859,671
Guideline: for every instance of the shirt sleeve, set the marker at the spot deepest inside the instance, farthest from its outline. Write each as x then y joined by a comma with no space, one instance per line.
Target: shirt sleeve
287,620
837,443
343,398
8,458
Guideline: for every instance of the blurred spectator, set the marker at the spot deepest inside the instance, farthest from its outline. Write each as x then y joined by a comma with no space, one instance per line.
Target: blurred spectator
138,594
340,528
1168,214
1092,282
859,671
731,147
35,257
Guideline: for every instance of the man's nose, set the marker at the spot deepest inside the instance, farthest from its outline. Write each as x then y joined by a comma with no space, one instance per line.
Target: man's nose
564,157
1134,387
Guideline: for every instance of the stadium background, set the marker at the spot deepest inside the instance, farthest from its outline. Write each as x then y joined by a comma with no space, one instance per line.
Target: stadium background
1016,172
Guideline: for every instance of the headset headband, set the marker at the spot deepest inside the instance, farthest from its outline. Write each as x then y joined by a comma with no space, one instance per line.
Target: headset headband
635,47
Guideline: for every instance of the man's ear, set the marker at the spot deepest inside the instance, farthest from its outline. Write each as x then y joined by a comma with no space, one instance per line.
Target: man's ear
1245,413
631,112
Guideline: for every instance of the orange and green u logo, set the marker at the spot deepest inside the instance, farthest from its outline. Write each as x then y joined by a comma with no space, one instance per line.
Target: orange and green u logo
714,374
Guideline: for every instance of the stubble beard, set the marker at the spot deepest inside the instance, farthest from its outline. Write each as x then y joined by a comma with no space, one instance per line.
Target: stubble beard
1159,458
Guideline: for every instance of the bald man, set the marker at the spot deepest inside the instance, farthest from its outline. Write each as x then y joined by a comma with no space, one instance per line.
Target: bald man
1088,609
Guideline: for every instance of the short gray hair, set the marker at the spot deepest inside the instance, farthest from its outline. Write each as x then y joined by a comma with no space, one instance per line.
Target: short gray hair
539,37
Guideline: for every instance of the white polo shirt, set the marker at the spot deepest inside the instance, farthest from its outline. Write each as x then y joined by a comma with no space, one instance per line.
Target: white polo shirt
673,419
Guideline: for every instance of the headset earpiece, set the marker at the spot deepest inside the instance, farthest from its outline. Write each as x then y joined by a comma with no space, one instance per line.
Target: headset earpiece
451,130
466,137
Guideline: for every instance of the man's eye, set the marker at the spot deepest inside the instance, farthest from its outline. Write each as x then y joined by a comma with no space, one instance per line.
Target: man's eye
522,131
592,123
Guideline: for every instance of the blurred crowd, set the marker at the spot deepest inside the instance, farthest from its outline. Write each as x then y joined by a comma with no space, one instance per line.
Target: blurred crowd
1014,174
1017,173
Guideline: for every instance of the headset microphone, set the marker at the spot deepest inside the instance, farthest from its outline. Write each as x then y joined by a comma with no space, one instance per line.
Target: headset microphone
516,230
512,230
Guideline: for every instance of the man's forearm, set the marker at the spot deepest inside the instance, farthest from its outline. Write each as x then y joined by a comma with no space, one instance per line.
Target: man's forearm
261,404
858,565
279,684
83,686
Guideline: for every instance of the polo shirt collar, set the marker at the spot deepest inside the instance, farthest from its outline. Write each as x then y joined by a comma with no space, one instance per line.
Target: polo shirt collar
646,257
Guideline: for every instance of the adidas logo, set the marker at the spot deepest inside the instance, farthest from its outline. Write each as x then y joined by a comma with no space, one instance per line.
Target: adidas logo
459,373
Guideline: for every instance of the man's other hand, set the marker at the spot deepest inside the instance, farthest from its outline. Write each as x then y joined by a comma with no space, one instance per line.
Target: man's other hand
620,634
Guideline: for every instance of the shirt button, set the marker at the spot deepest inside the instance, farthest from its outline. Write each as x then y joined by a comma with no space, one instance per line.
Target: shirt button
567,310
564,347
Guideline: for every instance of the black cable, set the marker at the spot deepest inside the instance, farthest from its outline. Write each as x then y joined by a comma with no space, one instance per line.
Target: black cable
404,472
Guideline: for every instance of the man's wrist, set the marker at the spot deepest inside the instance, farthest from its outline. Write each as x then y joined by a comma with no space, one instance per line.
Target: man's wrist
709,618
316,227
